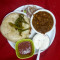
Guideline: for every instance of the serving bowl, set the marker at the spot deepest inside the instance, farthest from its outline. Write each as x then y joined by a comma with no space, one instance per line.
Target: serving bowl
43,10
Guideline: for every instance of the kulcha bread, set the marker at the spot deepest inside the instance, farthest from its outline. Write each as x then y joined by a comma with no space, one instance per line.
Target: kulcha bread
11,33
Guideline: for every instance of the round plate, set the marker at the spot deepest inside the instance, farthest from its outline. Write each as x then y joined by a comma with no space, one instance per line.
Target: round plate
51,34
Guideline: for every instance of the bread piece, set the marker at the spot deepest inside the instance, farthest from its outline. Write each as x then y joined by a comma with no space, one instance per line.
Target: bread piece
11,33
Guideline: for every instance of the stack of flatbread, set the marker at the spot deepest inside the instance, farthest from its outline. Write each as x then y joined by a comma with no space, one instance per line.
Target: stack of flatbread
11,33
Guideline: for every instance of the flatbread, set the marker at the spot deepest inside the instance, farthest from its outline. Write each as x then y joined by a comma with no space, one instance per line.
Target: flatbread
11,33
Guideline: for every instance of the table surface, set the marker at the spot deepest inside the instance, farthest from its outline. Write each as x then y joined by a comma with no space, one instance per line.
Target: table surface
53,52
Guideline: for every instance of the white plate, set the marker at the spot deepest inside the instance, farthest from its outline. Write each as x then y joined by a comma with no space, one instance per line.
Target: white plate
51,34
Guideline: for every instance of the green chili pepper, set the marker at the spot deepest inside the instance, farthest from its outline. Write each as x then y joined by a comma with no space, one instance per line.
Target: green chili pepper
13,25
18,24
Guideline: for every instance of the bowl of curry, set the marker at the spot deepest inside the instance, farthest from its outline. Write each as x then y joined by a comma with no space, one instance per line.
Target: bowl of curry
42,21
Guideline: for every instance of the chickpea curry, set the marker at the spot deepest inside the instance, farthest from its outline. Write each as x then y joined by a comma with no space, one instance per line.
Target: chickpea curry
42,22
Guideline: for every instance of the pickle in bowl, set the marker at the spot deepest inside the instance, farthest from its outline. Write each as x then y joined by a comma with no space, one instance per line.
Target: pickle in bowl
24,48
